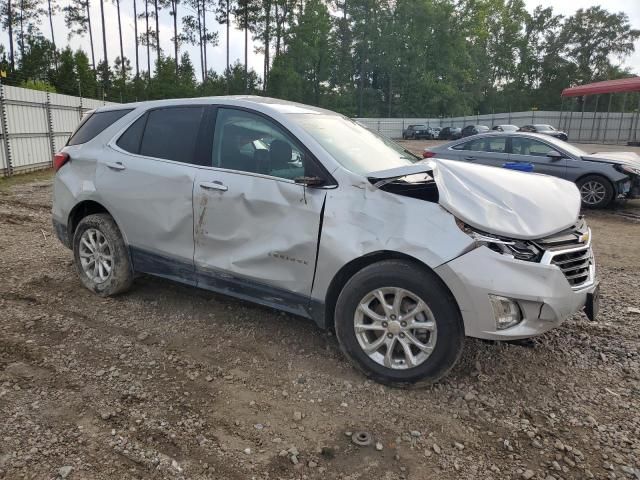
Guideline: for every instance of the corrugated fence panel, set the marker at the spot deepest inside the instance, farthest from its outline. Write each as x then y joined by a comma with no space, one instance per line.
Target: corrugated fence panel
590,127
90,103
3,158
27,152
64,100
29,133
31,118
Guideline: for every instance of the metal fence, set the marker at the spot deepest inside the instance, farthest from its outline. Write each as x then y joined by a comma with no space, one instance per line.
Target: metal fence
35,125
590,127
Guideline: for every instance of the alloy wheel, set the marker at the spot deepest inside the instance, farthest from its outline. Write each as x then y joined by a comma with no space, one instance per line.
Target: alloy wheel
395,328
593,192
96,257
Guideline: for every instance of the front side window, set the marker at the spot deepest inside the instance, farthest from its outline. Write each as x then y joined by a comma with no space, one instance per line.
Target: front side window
171,133
95,124
528,146
356,148
248,142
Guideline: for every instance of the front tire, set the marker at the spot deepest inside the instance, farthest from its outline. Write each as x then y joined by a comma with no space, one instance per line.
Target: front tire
595,191
398,324
101,257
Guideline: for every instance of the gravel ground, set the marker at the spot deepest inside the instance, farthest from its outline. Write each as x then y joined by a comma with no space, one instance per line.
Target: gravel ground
174,382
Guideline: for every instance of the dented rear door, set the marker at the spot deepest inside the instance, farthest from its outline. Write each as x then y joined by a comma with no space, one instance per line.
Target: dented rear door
256,237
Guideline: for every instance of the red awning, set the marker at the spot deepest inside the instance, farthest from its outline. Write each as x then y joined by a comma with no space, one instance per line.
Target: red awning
608,86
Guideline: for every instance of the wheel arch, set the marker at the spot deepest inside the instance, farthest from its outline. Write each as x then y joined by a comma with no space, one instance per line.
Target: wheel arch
596,174
85,208
348,270
613,184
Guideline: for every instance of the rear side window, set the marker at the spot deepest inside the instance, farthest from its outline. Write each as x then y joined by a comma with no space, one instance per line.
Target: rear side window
131,138
95,124
171,133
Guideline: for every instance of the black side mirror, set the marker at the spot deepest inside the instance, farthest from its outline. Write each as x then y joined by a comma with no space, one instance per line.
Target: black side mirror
554,155
309,181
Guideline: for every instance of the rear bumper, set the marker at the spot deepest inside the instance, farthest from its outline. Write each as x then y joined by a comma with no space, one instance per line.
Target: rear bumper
541,291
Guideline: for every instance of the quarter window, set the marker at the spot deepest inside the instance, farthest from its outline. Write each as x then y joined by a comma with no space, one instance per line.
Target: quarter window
131,138
247,142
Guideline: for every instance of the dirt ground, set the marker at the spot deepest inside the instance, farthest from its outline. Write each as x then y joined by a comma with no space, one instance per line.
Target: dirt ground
173,382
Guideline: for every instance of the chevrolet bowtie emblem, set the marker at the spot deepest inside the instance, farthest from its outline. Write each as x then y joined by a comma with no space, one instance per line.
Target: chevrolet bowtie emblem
584,238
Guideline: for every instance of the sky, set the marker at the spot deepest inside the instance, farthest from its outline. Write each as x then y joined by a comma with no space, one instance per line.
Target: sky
217,55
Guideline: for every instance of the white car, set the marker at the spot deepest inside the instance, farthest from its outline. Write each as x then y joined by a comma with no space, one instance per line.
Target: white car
303,210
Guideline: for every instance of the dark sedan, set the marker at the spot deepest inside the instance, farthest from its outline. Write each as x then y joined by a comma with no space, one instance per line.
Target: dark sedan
450,133
544,130
601,177
505,128
415,132
474,130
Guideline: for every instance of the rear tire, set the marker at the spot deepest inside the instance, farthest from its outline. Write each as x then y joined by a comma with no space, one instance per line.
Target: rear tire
595,191
101,256
434,337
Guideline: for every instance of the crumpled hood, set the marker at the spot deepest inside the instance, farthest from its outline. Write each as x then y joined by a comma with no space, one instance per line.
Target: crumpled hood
623,158
505,202
495,200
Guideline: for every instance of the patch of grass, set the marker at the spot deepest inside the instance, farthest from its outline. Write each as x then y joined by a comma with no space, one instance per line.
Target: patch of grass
22,178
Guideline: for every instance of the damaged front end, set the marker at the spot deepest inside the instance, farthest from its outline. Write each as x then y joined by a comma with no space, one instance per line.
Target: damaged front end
530,264
493,200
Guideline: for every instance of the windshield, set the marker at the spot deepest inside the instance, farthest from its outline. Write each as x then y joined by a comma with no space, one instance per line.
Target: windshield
419,126
544,128
482,128
356,148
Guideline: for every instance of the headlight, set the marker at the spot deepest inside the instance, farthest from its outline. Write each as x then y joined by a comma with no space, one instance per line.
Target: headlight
520,249
629,169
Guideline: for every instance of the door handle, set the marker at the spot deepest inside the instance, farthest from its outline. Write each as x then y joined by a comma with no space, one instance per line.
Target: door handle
215,185
115,165
471,159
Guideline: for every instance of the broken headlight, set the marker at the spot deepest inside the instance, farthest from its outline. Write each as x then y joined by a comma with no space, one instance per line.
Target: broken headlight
520,249
628,169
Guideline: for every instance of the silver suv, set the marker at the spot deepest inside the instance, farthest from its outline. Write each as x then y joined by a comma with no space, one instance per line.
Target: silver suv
304,210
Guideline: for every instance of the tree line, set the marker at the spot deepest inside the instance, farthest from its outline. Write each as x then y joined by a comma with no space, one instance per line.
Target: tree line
360,57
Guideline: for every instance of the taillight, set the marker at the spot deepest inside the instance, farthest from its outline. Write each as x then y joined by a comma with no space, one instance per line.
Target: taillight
428,154
59,159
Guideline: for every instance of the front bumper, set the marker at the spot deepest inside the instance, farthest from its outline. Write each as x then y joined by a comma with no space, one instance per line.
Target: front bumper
541,290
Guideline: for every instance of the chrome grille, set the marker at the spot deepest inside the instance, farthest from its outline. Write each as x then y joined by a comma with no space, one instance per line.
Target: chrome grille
576,265
571,252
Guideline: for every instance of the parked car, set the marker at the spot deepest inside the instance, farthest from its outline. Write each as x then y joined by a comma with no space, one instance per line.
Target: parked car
474,130
402,267
415,132
600,177
544,130
436,131
505,128
449,133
